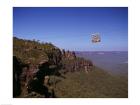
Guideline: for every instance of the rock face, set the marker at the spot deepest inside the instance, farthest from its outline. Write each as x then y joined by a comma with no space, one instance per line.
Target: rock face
16,77
27,80
40,82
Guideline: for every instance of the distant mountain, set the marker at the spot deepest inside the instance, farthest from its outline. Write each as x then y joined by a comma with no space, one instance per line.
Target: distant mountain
115,62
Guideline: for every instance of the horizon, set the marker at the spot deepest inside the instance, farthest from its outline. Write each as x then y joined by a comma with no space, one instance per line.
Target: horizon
77,50
70,28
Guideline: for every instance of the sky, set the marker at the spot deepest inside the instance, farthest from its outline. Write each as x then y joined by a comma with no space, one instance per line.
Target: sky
70,28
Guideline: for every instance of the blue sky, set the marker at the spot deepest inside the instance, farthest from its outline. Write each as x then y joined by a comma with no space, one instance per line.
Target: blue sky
70,28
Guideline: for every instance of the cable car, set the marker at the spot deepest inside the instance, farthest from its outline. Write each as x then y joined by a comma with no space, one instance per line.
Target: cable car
96,38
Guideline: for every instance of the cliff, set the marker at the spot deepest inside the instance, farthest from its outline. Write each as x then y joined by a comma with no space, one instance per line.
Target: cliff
34,62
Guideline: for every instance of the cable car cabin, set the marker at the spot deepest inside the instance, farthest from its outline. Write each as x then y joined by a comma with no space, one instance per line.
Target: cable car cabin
96,38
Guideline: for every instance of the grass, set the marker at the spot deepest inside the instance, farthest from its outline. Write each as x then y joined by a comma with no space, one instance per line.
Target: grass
95,84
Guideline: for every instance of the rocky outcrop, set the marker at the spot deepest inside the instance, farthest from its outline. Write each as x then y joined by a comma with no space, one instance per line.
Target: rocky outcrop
72,63
77,64
68,54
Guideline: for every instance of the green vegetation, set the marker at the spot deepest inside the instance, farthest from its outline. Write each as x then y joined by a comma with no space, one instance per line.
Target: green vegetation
96,84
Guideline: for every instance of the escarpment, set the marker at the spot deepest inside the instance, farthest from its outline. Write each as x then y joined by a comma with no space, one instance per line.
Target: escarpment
35,63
